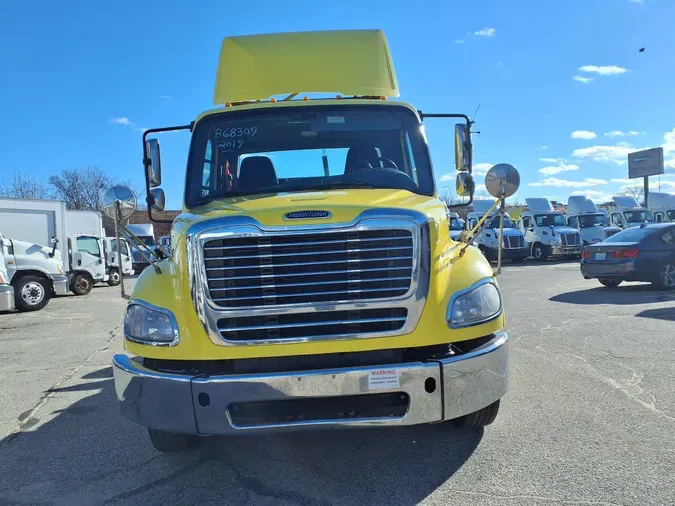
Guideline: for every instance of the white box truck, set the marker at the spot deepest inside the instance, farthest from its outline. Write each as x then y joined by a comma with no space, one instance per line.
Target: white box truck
6,289
111,260
592,224
47,225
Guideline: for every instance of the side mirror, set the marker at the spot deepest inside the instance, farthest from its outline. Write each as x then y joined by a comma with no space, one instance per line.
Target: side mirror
462,148
157,199
55,240
464,184
153,163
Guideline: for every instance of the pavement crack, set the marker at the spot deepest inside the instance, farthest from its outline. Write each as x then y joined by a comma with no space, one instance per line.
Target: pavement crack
27,419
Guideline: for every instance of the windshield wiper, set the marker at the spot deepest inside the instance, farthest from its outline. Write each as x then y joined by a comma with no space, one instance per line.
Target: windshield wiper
331,186
201,201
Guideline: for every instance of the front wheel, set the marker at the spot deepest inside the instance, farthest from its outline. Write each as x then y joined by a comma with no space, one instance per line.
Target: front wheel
82,283
31,293
477,419
114,277
169,442
666,280
540,252
610,283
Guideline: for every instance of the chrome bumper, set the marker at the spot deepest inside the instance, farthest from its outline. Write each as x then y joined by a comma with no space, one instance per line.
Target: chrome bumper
566,250
6,297
202,405
61,284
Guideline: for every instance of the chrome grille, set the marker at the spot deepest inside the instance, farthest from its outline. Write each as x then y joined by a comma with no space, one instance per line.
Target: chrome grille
570,239
312,324
514,241
288,269
138,256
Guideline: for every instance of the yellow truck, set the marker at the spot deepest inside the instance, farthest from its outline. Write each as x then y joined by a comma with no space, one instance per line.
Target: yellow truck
312,281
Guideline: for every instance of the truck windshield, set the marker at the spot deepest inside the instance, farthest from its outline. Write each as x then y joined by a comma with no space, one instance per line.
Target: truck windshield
495,222
455,224
550,219
307,148
148,240
593,220
638,216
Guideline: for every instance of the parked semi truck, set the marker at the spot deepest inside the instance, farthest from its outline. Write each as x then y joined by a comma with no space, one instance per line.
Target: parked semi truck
146,233
514,246
456,225
547,232
628,213
48,225
592,224
321,291
112,262
662,206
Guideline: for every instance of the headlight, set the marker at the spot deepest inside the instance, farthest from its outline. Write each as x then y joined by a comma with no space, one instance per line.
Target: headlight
493,244
477,305
60,269
553,242
147,324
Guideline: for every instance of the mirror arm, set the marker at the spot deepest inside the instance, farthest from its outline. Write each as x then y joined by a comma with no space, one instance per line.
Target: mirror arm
467,145
146,164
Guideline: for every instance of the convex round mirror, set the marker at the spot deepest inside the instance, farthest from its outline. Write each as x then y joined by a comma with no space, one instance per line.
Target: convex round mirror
125,197
502,177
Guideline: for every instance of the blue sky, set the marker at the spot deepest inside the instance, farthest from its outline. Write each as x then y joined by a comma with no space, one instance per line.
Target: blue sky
564,93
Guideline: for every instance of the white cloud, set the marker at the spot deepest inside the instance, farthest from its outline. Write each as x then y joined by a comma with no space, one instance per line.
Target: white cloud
543,147
582,79
485,32
637,1
448,177
552,181
583,134
603,70
623,181
551,160
619,133
557,169
480,169
616,154
459,41
165,97
142,129
121,121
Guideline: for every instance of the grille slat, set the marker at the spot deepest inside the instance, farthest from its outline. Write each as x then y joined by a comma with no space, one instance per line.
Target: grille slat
315,325
570,239
295,268
514,241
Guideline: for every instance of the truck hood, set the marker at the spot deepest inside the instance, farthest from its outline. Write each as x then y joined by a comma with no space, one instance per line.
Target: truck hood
344,206
507,232
563,230
26,253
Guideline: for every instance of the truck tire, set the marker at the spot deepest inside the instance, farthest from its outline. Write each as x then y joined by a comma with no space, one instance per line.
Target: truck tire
540,252
610,283
114,277
31,293
169,442
477,419
81,283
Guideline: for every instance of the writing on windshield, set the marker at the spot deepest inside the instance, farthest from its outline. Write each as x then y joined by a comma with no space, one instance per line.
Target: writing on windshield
550,220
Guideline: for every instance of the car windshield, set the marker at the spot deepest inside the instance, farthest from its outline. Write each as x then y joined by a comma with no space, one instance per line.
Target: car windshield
630,235
307,148
455,224
593,220
638,216
550,219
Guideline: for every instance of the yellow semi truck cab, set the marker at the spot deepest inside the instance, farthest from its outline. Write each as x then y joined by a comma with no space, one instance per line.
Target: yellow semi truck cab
312,280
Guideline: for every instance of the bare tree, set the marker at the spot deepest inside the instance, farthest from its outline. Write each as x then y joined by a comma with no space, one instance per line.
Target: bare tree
24,186
637,192
82,188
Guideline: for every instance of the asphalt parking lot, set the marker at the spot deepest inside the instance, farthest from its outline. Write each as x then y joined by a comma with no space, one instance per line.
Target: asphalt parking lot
589,418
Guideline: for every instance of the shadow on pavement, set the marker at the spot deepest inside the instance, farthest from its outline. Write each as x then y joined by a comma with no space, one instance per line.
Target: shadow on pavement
88,454
667,314
630,294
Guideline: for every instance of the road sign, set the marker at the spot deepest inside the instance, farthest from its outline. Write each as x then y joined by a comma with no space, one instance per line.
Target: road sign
648,162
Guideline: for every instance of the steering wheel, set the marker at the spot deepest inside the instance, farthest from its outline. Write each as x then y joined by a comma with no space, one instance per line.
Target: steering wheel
368,164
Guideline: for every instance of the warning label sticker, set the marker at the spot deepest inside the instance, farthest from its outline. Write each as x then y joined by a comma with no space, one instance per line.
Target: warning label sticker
383,378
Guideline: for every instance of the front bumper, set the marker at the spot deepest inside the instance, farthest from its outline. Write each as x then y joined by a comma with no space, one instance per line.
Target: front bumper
6,297
566,250
206,405
61,284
